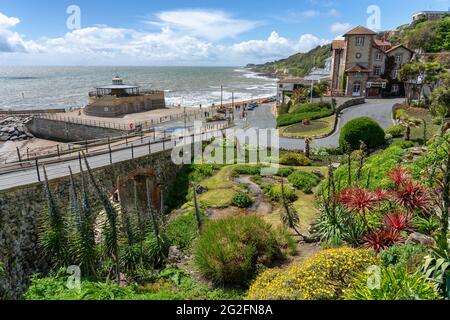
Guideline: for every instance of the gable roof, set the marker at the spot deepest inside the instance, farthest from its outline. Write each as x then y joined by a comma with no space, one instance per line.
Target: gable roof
382,43
399,46
338,44
360,30
357,68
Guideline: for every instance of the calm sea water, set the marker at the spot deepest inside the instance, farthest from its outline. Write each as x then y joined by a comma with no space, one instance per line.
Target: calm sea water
64,87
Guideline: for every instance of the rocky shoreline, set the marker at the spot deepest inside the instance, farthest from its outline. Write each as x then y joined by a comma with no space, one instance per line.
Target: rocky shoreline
14,129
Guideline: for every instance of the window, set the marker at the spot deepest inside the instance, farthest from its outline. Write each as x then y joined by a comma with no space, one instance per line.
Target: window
356,89
395,88
281,86
377,71
398,59
360,41
396,74
379,56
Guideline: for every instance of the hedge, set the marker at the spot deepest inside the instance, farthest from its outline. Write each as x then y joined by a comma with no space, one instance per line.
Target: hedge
362,129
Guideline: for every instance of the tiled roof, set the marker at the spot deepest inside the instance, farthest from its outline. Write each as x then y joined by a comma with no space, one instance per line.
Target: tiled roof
360,30
338,44
382,43
357,68
399,46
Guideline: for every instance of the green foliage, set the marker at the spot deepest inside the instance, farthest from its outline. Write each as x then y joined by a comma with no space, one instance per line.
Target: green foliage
274,193
396,131
294,159
378,164
193,173
242,200
304,180
183,230
53,235
299,64
396,283
247,170
405,256
361,129
285,172
430,35
170,284
310,111
229,250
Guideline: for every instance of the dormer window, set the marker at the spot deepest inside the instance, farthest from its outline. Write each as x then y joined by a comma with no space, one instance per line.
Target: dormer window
360,41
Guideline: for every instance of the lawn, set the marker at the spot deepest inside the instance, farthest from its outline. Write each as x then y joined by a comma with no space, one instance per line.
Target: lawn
300,112
423,114
317,128
220,189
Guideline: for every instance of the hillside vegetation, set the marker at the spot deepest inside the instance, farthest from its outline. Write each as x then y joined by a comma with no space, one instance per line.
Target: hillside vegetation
299,64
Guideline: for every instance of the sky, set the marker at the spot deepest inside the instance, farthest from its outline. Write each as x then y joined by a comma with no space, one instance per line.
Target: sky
185,32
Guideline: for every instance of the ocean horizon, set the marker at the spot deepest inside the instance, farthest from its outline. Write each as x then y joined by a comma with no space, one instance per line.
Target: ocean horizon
51,87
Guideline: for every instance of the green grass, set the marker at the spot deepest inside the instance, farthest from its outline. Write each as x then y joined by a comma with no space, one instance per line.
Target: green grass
299,130
300,112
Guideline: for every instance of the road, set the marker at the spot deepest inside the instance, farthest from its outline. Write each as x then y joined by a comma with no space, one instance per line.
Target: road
262,117
379,110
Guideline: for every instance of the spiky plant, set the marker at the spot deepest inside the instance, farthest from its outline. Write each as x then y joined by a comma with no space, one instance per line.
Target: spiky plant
53,237
289,216
82,240
111,226
198,217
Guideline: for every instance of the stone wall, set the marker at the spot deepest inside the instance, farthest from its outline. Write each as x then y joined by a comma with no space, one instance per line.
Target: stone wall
67,131
21,207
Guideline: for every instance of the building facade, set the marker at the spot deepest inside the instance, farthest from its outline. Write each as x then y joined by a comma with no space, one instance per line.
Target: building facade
120,99
429,15
359,64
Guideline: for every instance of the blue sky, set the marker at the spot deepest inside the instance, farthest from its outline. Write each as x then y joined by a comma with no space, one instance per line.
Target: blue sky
189,32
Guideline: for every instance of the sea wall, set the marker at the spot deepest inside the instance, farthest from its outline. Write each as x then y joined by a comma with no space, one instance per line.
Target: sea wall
67,131
21,207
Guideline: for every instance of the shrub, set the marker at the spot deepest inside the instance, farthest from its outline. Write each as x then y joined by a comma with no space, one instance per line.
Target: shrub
274,193
242,200
406,256
396,131
294,159
304,180
229,250
292,118
183,230
321,277
396,283
309,107
247,170
285,172
361,129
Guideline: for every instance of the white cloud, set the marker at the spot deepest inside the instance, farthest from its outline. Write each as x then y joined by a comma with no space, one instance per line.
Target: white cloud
211,25
183,43
340,28
11,41
334,13
275,47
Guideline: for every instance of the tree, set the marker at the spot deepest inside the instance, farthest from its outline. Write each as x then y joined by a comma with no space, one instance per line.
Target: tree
322,89
440,102
289,216
308,141
416,75
408,123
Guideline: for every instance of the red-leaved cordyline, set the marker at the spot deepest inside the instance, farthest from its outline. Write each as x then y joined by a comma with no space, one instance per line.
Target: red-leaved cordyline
398,221
399,176
357,199
381,239
413,196
381,194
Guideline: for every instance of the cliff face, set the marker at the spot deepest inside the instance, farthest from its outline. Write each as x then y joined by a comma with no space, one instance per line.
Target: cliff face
299,64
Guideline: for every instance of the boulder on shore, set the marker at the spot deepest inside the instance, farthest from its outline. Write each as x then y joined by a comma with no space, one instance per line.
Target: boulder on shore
15,129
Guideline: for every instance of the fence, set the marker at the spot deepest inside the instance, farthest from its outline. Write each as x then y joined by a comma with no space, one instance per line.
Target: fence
60,152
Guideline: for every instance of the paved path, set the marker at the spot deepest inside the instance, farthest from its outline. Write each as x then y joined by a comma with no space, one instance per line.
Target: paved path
379,110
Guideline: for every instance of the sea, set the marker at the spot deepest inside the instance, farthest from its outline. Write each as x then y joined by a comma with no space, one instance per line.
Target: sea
28,87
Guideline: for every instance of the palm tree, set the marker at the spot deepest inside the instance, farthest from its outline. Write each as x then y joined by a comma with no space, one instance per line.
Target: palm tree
289,216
